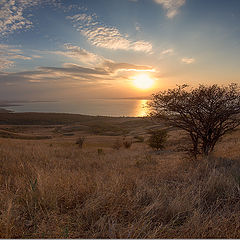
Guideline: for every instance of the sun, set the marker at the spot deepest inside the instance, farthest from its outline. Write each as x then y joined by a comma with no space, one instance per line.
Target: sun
143,81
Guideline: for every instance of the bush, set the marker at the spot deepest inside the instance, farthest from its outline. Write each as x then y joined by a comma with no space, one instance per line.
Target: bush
127,144
117,144
139,138
80,141
100,151
158,139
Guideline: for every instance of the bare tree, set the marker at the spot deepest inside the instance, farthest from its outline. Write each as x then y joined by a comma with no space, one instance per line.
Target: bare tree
206,113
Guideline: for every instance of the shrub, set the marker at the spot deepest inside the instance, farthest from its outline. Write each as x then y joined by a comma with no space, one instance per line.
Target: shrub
117,144
158,139
139,138
127,144
100,151
80,141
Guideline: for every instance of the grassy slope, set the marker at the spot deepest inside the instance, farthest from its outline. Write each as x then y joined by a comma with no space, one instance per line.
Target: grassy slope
70,123
52,189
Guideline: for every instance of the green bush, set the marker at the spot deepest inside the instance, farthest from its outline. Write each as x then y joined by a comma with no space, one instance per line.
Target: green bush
158,139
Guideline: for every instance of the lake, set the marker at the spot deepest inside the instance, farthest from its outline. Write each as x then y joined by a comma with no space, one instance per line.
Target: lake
103,107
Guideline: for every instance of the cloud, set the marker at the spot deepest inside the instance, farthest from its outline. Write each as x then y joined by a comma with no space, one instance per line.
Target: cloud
137,27
13,17
69,73
104,36
171,6
188,60
10,53
167,51
111,66
36,56
5,63
74,70
106,69
79,54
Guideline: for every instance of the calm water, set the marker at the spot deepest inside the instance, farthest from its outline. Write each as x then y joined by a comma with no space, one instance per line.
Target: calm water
104,107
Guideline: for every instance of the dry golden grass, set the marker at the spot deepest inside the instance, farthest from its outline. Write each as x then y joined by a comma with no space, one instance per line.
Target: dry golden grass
8,134
52,189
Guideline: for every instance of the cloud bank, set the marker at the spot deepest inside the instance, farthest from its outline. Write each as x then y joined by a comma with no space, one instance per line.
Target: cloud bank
104,71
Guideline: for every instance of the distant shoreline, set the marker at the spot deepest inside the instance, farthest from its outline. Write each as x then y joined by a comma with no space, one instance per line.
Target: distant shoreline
19,103
5,104
3,110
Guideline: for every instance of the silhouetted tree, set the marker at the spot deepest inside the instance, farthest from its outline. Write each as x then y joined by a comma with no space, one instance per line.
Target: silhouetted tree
206,112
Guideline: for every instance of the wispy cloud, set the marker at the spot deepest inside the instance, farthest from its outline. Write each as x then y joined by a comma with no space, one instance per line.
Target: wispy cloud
5,63
171,6
167,51
108,71
188,60
137,27
84,56
8,54
36,56
104,36
112,67
79,54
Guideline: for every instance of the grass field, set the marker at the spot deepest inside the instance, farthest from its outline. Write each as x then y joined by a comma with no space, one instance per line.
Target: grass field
50,188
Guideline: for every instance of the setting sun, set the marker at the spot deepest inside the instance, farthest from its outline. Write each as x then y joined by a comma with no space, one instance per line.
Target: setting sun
143,81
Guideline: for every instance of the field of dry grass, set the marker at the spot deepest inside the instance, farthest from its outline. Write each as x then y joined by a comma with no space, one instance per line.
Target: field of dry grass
50,188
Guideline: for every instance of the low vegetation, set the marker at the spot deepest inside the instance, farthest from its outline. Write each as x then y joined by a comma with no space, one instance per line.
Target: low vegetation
117,144
138,138
127,143
52,189
9,134
80,141
158,139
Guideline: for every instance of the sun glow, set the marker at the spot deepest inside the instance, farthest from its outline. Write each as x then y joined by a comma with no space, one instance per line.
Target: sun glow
143,81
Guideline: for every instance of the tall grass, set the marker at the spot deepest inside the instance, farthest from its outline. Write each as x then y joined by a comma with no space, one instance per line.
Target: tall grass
56,190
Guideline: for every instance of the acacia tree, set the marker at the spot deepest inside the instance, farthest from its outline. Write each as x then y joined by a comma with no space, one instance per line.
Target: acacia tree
206,113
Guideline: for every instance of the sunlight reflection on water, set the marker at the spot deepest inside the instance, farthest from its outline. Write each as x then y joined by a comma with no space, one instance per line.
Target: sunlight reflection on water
142,109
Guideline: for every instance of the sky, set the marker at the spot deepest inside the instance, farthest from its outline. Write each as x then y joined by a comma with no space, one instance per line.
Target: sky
64,49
